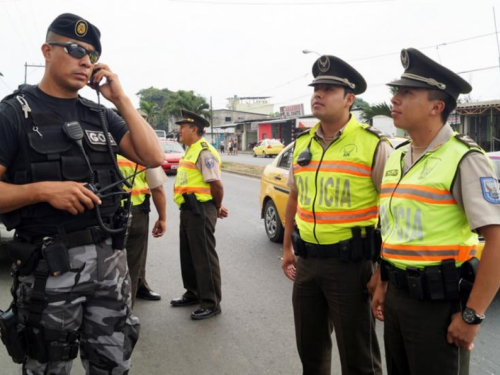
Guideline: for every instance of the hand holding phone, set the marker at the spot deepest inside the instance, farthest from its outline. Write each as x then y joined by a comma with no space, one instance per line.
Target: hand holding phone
91,83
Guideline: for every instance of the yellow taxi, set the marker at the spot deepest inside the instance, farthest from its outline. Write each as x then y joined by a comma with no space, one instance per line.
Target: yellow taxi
267,147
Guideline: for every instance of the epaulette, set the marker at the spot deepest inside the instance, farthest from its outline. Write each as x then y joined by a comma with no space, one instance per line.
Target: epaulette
380,134
204,145
303,133
466,140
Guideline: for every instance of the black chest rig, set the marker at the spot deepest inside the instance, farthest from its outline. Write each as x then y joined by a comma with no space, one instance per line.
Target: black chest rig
47,154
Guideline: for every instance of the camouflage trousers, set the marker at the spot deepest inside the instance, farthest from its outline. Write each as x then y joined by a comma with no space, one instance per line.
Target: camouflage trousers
93,299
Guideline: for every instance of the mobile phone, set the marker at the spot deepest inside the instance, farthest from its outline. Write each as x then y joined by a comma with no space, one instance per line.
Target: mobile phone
93,85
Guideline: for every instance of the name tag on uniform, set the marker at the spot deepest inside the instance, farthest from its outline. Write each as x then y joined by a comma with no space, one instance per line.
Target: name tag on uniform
97,137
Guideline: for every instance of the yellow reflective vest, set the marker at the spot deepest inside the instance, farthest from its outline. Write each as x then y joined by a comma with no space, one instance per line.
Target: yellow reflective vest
189,179
422,224
335,190
140,188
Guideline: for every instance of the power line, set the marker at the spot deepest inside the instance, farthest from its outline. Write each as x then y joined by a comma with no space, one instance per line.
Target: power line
278,3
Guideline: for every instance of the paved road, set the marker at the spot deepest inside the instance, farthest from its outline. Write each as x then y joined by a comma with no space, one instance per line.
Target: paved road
247,158
254,334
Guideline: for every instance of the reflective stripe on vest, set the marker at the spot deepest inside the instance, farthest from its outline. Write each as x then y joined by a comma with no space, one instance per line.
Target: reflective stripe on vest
140,187
335,190
189,179
422,224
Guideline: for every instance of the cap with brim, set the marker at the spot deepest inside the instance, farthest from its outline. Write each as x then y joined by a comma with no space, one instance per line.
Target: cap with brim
423,72
331,70
189,117
78,29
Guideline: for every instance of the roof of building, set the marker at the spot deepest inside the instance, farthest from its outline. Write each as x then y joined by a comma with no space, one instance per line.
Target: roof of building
487,104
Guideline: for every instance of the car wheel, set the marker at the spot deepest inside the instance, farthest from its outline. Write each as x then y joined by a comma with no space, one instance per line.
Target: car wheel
254,154
272,222
264,154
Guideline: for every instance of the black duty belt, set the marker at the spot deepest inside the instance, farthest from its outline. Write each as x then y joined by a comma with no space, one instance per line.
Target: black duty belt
441,282
184,206
339,250
83,237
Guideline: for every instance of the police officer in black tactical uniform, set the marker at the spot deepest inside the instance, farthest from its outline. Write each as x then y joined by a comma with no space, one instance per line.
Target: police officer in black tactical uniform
71,283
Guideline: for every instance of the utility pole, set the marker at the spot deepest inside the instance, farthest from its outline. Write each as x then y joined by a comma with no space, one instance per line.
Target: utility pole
211,120
26,65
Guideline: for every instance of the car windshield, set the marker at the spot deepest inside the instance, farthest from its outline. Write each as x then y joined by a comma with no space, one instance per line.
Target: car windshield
169,147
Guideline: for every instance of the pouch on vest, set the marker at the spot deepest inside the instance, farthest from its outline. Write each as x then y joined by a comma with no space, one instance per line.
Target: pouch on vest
57,257
24,255
468,271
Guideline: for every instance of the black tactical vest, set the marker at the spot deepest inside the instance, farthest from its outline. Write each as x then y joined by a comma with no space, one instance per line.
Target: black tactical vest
47,154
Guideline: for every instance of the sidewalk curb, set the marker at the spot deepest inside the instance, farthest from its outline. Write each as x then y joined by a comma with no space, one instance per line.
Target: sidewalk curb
242,174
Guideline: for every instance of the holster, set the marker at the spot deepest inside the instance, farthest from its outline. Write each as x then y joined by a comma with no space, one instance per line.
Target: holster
192,203
56,255
299,248
11,333
24,256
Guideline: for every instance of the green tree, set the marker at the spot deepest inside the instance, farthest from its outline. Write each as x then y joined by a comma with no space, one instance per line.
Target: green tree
187,100
159,98
150,109
360,103
380,109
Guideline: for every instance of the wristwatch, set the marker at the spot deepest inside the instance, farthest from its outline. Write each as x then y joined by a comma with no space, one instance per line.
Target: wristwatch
470,316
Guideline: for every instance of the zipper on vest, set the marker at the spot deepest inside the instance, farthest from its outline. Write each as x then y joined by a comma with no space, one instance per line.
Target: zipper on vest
316,186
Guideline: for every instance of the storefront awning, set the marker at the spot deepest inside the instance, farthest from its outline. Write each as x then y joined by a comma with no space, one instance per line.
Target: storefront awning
306,123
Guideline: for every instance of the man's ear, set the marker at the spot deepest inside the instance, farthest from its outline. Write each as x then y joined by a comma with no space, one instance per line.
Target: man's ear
351,98
47,51
437,107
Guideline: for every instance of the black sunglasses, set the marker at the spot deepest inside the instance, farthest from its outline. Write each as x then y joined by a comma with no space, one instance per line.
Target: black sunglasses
77,51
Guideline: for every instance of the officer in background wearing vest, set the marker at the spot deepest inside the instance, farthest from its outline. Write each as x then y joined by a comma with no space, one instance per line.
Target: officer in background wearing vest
335,180
146,185
438,193
71,287
198,191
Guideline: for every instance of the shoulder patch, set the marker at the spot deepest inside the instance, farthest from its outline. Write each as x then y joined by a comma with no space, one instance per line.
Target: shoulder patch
380,134
204,145
489,187
466,140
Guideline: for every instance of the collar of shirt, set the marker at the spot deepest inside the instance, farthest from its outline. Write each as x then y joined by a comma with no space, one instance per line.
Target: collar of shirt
440,139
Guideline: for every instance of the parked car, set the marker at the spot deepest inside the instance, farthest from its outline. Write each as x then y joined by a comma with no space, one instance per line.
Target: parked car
173,153
161,134
267,147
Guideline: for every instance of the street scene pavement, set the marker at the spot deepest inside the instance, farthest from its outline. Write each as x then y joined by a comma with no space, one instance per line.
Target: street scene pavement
255,332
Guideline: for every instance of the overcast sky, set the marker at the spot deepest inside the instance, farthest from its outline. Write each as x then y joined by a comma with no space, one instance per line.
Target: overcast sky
222,48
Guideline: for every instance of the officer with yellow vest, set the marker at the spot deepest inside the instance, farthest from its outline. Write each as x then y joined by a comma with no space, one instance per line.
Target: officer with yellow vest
198,191
335,181
438,193
147,184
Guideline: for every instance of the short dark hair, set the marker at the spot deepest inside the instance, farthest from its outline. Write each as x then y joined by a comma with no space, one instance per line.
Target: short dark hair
449,102
199,130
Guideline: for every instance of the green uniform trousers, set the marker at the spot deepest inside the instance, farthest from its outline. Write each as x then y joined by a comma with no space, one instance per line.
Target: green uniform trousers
137,248
415,336
199,261
331,295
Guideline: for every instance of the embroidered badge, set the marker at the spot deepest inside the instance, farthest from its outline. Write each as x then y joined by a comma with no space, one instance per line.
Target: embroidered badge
429,164
210,162
348,150
391,173
81,28
489,186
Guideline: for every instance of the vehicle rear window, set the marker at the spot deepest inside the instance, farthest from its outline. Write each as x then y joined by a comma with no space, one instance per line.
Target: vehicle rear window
274,142
171,147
